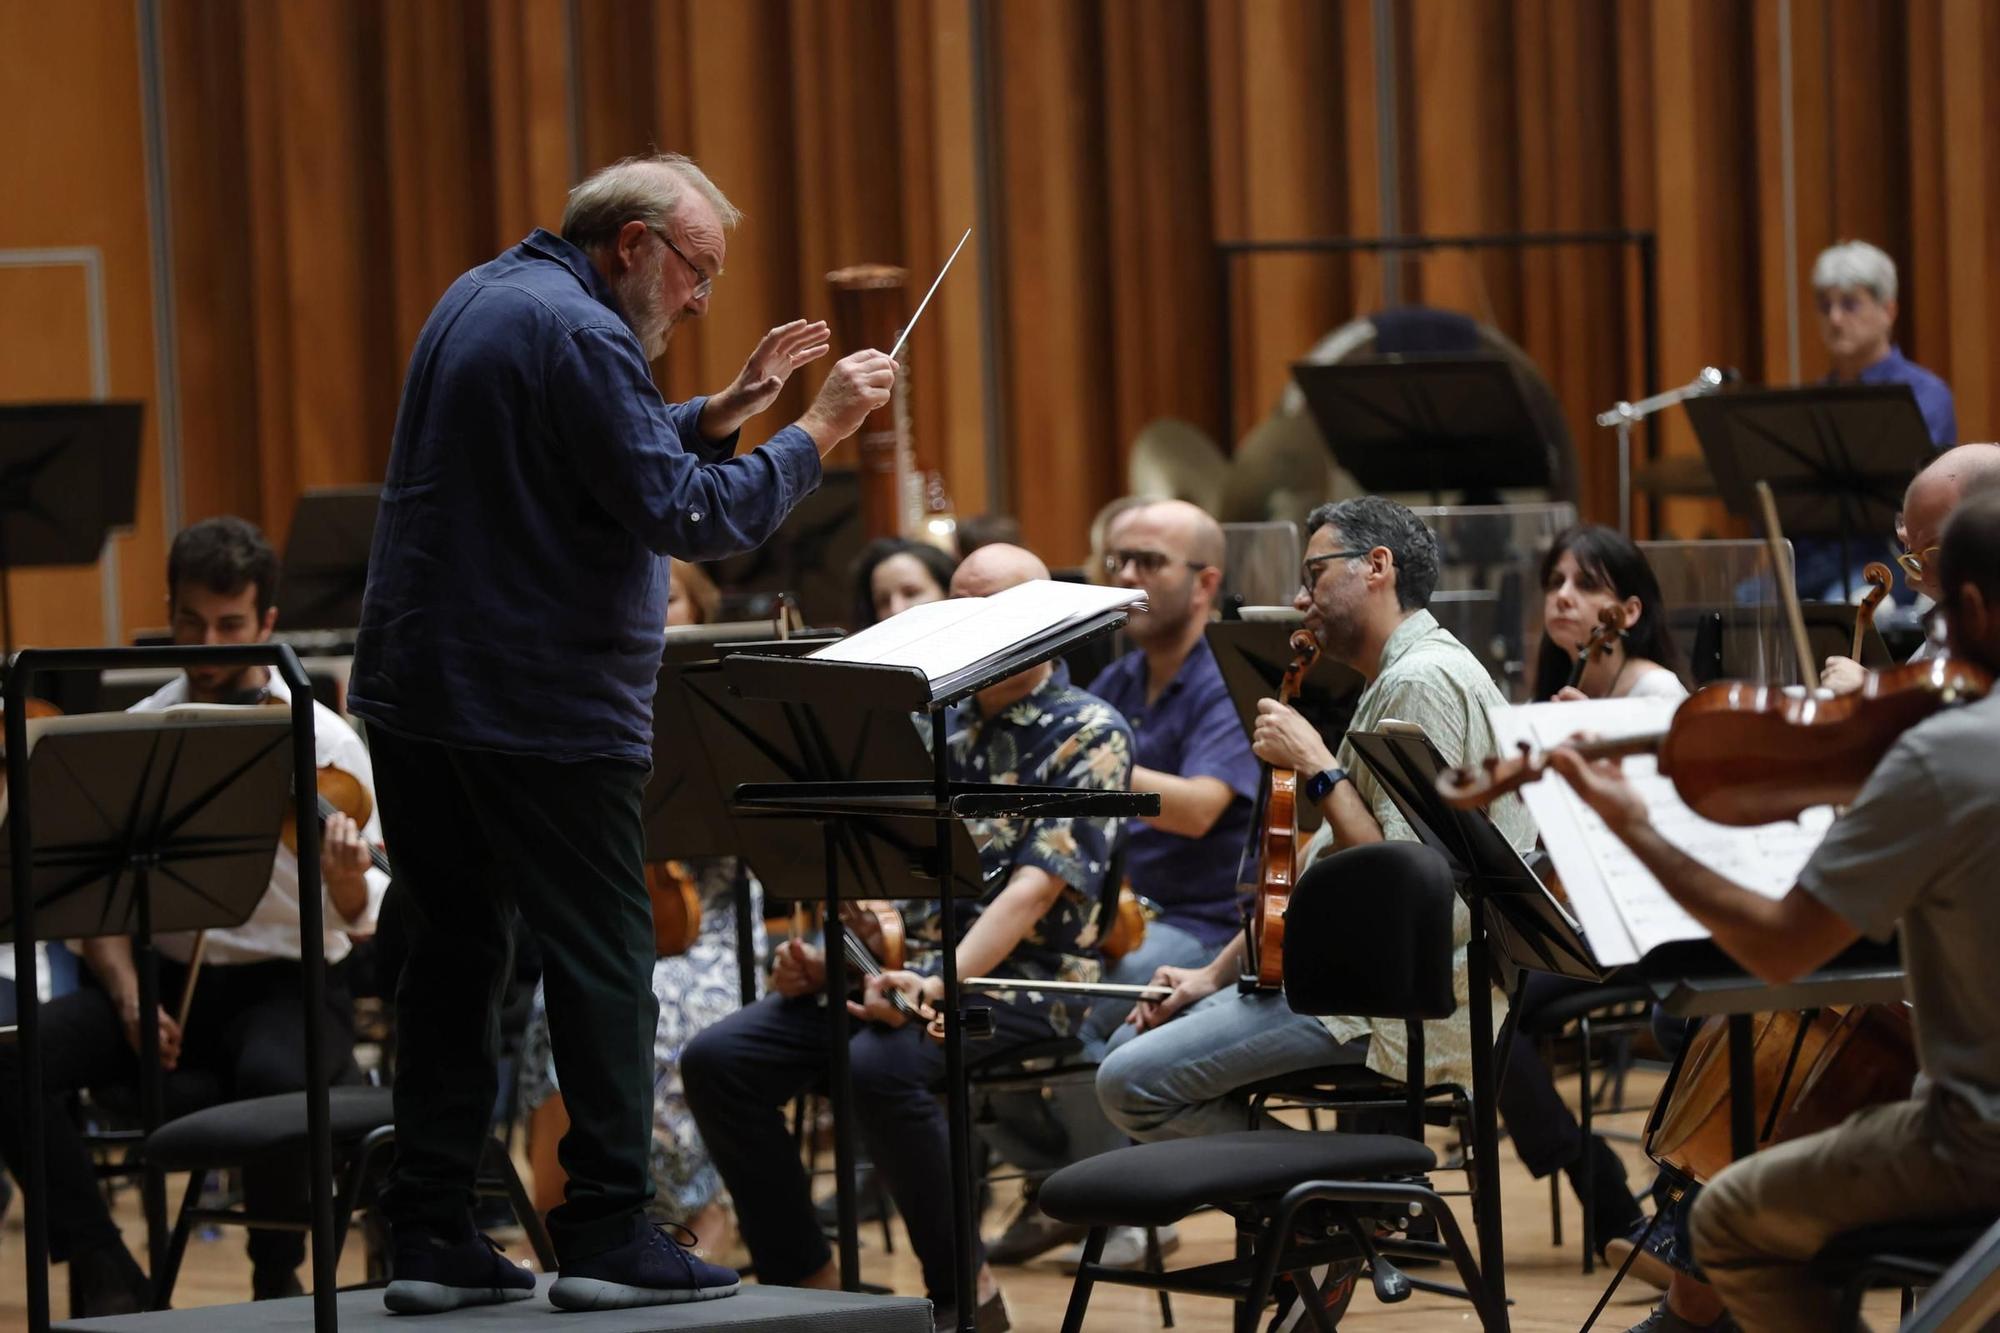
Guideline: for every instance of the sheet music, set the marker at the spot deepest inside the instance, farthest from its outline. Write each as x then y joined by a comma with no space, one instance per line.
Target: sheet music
1624,910
940,638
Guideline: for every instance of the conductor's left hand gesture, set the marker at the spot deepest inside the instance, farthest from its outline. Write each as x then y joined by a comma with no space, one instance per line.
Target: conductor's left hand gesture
780,352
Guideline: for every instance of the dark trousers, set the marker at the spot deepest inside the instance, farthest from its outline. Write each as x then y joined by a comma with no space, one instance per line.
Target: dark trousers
1543,1128
476,834
741,1072
245,1038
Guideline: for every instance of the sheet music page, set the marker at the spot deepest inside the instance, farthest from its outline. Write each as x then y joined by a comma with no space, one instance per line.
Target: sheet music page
940,638
1624,910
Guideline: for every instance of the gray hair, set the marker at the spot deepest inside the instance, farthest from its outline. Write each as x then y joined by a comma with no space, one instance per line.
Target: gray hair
1856,264
1369,521
647,188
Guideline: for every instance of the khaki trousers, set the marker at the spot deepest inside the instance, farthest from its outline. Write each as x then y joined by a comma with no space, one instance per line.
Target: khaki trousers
1759,1223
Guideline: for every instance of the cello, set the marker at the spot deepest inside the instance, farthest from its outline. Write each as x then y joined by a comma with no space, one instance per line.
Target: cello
1277,841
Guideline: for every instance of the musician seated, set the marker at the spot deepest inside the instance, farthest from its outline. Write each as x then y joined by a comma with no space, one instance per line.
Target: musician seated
1912,854
893,574
1932,496
245,1035
1369,570
1036,921
1192,751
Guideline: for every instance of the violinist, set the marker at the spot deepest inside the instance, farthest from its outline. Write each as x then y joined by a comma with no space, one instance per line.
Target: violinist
1036,921
1912,854
244,1033
1370,567
1587,569
1932,496
695,986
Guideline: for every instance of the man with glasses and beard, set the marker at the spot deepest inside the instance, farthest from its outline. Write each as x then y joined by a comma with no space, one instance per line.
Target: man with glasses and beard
510,637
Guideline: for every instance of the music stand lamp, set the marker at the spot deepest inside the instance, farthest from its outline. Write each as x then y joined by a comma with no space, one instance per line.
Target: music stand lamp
134,813
69,474
830,688
326,556
1838,457
1424,423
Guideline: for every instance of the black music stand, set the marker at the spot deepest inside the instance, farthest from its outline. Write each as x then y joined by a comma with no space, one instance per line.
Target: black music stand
1252,656
326,556
1427,423
810,553
1838,457
137,808
829,688
69,475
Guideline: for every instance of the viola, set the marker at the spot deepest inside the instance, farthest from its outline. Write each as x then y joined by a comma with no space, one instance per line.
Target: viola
1878,578
1744,754
676,897
1606,635
1128,925
1277,839
340,792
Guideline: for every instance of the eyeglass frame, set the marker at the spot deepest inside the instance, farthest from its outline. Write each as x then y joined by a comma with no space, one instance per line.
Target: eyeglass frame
1116,559
704,284
1309,577
1915,563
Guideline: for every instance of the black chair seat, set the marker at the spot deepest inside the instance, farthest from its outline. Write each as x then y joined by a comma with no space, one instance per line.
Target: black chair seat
1345,1078
1559,1013
1158,1183
238,1132
1916,1246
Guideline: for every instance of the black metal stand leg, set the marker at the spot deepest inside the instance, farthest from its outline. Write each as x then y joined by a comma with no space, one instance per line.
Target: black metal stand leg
840,1088
1742,1088
146,962
33,1177
746,938
958,1098
1485,1122
1587,1171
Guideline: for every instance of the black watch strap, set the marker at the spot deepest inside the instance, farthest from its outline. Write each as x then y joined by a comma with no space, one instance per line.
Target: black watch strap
1320,784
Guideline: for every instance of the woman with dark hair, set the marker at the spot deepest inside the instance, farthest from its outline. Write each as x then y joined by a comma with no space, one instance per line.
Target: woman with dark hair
892,574
1587,569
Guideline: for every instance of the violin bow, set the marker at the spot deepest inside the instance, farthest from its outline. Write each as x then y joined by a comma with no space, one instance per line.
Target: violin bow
1781,569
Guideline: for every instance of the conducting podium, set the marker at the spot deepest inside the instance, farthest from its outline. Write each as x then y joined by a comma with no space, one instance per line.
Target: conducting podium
923,662
144,823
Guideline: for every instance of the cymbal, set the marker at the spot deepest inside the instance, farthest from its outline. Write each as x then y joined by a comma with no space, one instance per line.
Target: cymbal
1679,474
1281,471
1176,460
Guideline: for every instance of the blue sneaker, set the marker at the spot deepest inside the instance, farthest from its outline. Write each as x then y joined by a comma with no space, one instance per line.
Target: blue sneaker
649,1269
432,1274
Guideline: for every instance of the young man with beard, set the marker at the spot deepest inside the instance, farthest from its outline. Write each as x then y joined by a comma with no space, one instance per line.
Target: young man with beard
245,1034
1370,567
509,642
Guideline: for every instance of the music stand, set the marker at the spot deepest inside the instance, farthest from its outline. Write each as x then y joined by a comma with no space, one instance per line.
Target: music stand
1838,457
1252,656
69,475
198,790
1423,423
810,554
326,556
829,687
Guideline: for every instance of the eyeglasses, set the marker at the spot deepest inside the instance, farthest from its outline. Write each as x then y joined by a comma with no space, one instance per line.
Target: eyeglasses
703,283
1310,567
1146,562
1915,562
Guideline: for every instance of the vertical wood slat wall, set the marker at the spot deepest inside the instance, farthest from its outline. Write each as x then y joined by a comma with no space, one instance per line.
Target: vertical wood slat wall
334,163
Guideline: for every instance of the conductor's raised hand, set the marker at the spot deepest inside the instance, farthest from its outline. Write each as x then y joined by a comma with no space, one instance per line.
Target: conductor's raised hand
859,383
779,353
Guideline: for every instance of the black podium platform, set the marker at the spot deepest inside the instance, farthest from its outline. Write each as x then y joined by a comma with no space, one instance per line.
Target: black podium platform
754,1309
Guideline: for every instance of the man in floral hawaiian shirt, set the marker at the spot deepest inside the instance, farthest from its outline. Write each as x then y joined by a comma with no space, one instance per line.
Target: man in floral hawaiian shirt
1037,921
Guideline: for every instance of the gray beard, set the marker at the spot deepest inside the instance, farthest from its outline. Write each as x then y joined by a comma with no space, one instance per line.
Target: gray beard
646,313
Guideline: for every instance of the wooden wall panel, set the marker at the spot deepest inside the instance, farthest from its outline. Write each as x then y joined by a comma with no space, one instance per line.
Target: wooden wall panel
334,163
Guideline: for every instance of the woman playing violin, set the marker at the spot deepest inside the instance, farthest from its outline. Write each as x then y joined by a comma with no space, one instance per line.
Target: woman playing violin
1912,854
1588,570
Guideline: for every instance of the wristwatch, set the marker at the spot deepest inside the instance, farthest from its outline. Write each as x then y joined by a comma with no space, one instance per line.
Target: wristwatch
1320,784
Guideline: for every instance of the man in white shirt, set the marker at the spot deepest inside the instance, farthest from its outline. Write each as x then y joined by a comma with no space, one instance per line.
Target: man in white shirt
245,1035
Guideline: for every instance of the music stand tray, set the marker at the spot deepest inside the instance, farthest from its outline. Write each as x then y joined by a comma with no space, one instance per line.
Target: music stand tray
69,476
1252,656
1427,423
326,556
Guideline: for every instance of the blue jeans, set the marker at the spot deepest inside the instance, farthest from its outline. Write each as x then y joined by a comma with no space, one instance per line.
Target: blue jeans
1180,1080
1039,1132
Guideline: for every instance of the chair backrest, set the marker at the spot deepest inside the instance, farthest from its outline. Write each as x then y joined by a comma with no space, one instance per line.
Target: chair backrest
1368,932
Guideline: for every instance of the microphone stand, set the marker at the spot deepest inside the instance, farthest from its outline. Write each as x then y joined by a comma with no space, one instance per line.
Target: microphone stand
1623,416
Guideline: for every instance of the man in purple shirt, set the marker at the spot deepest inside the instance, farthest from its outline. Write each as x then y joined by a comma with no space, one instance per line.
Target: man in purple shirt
510,638
1854,287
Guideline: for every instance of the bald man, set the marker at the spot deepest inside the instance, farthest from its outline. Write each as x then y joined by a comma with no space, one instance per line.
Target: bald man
1037,921
1930,500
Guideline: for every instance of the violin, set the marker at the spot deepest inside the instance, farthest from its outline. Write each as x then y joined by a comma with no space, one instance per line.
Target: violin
1879,578
1606,635
340,792
1744,754
676,899
1278,836
1128,925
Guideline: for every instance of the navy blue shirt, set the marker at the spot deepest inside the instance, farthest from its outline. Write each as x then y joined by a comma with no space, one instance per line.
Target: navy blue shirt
1933,395
1190,731
538,483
